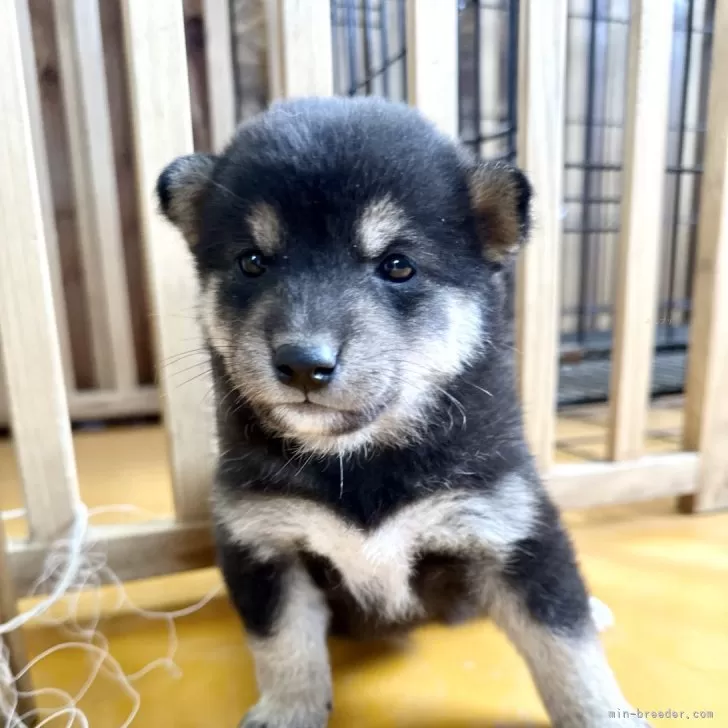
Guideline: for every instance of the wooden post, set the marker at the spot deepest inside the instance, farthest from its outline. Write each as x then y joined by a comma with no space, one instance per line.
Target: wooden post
30,347
155,42
274,44
13,640
706,406
81,56
541,91
645,144
43,177
220,77
300,48
432,61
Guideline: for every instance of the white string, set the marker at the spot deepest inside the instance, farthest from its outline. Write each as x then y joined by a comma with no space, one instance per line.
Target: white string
13,514
78,532
76,566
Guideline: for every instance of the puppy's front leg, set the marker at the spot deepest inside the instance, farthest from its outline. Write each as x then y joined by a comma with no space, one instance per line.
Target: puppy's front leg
541,603
286,621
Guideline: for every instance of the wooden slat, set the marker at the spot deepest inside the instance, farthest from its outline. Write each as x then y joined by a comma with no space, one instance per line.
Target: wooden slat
41,431
13,640
137,551
81,57
432,61
645,150
163,547
155,43
103,404
541,86
274,49
600,484
220,77
301,54
706,407
42,174
4,406
108,404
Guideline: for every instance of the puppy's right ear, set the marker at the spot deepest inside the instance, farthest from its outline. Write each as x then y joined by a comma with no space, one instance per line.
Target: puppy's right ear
181,190
501,200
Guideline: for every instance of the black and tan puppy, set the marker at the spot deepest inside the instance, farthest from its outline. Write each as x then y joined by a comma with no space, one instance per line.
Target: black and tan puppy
373,473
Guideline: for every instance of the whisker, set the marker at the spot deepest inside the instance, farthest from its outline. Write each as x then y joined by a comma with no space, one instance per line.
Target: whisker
189,368
201,375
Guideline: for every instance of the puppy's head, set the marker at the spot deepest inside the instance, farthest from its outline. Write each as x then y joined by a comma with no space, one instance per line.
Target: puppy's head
348,256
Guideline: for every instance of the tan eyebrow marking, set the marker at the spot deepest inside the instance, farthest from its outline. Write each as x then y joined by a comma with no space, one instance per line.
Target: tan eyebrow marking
380,223
265,227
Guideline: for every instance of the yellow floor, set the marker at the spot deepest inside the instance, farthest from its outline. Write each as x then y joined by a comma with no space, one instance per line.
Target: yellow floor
665,577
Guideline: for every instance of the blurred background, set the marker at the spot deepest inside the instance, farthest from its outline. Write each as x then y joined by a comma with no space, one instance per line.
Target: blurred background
370,48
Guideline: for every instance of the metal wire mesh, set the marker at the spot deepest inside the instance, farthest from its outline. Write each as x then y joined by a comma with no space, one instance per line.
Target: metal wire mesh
369,47
488,59
597,88
692,47
597,54
596,93
370,58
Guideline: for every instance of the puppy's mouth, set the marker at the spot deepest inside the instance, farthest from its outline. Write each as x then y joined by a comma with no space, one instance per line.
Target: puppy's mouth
309,407
312,418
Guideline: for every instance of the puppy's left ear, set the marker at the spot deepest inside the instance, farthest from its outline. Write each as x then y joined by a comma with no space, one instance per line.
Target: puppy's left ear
181,190
500,196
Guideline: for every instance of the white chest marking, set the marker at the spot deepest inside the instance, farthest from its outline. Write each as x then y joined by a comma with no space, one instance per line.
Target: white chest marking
376,565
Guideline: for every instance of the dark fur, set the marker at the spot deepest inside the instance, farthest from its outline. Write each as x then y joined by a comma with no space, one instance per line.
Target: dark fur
317,164
489,446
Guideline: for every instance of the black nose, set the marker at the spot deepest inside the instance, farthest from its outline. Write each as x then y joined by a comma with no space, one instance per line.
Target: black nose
305,367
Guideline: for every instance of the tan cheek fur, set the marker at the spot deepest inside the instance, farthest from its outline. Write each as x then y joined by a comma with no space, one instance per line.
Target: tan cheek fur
212,327
422,369
246,353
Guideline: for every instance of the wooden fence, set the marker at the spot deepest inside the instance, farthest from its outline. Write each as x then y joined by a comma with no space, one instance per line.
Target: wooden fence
33,329
89,192
76,78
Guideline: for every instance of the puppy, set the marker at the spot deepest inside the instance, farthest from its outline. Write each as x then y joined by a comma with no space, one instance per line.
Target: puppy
374,473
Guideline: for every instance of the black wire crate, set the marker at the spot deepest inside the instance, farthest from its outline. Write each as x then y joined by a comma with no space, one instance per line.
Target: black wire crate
370,50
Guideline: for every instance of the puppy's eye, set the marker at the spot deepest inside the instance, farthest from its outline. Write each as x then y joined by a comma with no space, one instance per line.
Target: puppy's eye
252,264
397,268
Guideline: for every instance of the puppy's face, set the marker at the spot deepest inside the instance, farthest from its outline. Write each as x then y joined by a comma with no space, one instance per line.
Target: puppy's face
348,259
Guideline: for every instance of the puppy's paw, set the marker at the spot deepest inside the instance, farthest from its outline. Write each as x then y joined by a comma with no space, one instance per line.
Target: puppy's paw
276,714
601,614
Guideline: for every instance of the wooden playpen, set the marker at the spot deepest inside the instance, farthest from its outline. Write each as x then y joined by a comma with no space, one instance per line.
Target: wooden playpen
33,329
